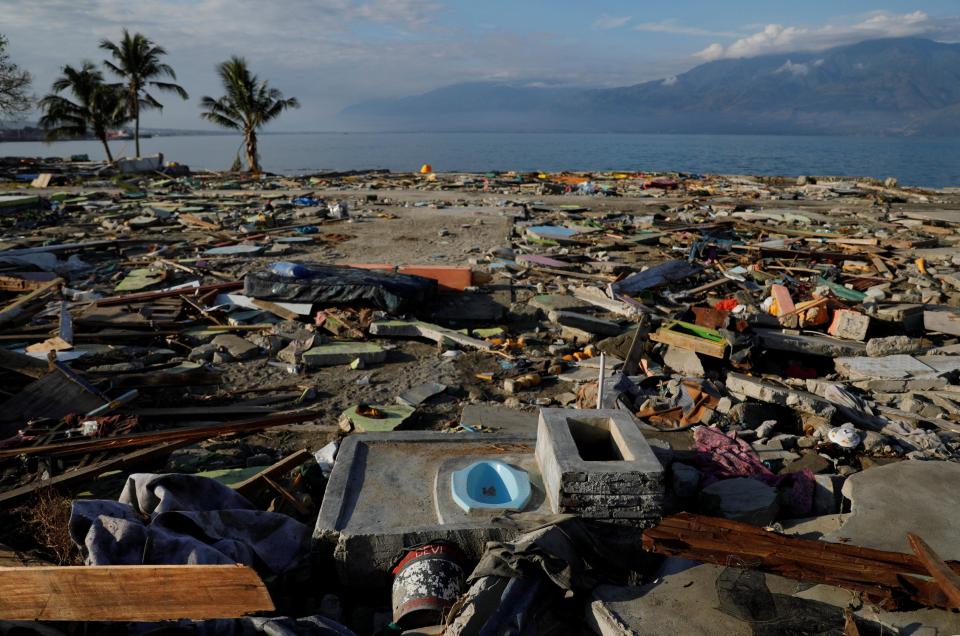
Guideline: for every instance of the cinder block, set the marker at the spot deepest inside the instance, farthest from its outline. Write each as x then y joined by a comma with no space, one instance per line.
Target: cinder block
595,463
849,324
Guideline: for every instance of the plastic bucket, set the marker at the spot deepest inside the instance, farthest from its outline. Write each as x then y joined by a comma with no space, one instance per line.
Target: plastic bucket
427,582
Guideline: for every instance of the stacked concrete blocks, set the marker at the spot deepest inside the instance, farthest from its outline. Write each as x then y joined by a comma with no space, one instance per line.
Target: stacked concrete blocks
597,464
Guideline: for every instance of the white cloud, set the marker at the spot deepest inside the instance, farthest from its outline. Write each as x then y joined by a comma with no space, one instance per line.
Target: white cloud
777,38
797,70
606,22
671,26
670,81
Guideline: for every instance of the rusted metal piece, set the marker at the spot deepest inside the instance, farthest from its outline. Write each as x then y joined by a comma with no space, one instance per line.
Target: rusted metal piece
891,580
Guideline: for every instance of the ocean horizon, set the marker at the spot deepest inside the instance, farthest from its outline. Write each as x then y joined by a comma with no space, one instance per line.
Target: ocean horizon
915,161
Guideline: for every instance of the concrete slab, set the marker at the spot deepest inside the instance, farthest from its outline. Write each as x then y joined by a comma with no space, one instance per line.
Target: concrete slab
418,329
687,598
893,367
335,353
596,326
683,602
237,347
557,302
382,496
889,501
394,416
421,393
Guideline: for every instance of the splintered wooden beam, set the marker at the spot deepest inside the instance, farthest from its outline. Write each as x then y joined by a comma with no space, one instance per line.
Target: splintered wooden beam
893,580
946,578
131,593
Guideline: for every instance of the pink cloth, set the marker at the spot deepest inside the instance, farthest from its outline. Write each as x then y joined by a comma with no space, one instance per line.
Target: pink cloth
721,456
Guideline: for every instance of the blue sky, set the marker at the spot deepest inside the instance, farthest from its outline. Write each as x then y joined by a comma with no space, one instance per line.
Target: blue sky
332,53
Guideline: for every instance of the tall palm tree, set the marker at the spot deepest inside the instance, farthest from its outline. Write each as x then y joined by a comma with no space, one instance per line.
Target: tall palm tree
98,106
249,104
136,60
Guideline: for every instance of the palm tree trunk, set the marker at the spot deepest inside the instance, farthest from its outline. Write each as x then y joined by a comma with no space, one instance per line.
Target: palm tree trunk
106,148
135,96
252,162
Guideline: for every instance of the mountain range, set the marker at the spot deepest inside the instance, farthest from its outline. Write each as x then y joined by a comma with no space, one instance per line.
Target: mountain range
900,86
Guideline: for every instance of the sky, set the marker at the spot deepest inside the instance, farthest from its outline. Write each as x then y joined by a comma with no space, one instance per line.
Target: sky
333,53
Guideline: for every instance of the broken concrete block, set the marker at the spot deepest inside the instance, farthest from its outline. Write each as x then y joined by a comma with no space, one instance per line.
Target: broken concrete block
777,394
582,322
741,499
849,324
892,345
597,464
418,329
894,367
827,495
557,302
815,462
683,361
808,343
237,347
343,353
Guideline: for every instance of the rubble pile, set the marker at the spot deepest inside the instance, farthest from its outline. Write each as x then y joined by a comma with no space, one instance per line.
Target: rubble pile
628,402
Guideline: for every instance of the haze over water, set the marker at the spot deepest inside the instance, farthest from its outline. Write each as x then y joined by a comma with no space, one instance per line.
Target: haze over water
930,162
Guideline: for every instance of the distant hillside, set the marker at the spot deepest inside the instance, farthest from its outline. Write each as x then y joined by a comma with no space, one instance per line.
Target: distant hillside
906,86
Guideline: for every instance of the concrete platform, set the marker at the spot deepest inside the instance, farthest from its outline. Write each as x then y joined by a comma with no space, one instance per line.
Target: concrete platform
384,495
889,501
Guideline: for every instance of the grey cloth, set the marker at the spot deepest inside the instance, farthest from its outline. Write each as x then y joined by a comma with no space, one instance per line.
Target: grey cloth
187,520
572,554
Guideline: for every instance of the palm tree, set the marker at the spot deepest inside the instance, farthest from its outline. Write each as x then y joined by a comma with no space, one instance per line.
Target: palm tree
98,106
249,104
138,64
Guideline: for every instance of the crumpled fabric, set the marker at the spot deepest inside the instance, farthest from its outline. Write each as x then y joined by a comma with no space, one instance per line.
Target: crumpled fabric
187,520
720,456
572,555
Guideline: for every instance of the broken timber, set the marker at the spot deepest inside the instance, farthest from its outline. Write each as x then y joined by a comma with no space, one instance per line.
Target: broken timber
889,579
196,433
131,593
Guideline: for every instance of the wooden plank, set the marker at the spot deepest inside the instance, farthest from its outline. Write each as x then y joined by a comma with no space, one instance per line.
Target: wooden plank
25,282
947,579
668,334
16,308
131,593
890,579
148,296
24,365
249,485
83,475
275,309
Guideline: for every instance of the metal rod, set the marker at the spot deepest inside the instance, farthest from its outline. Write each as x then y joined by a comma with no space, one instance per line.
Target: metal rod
603,370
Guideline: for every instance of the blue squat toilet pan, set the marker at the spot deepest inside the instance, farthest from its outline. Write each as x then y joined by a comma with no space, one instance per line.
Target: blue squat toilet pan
490,484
